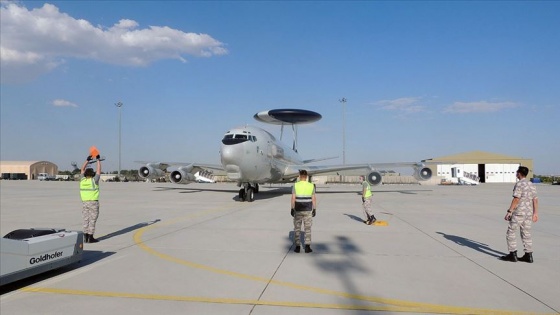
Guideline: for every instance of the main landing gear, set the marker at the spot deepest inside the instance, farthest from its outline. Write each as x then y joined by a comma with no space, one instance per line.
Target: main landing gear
247,193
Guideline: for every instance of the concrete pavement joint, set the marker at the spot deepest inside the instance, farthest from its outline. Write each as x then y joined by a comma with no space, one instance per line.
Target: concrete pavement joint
382,304
479,265
409,306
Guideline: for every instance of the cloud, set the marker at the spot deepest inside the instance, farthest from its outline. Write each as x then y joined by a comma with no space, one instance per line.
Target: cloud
478,107
63,103
407,105
37,41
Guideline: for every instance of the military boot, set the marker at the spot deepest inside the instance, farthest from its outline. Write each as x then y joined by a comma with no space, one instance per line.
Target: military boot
86,238
91,239
308,249
512,256
528,257
297,249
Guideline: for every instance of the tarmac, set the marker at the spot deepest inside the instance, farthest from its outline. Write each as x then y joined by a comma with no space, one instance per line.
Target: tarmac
196,249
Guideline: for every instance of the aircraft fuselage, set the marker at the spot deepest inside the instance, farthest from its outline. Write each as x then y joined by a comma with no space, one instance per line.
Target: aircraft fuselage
253,155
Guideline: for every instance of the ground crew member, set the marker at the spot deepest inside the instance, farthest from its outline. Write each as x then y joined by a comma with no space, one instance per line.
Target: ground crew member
303,209
520,214
89,192
366,201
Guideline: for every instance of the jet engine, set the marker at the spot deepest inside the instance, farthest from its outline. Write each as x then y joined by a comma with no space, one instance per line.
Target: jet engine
150,171
422,174
374,178
182,175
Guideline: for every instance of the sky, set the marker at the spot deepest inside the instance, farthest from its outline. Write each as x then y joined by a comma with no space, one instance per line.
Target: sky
421,79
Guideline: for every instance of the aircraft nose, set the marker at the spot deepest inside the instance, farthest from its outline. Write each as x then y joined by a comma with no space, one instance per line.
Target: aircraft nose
230,155
231,161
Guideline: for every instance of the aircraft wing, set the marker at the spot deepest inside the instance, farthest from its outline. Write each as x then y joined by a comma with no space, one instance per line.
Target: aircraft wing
181,173
421,172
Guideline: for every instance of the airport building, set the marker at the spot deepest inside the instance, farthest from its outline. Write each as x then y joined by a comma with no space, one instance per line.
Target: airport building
484,166
26,170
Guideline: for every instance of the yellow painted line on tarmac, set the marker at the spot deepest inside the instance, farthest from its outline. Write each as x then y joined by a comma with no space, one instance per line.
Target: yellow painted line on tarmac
381,304
209,300
399,304
176,298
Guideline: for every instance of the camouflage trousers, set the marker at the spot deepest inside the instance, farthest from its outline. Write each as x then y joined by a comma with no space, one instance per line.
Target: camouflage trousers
367,207
90,213
305,218
522,221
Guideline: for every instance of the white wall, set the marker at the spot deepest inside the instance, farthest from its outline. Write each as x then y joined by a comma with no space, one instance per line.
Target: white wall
495,173
501,173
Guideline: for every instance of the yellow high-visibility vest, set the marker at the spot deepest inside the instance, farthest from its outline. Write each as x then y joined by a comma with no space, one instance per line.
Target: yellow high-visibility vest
89,191
368,190
304,193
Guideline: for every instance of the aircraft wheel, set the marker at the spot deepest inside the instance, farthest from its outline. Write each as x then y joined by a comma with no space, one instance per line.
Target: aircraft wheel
250,194
241,194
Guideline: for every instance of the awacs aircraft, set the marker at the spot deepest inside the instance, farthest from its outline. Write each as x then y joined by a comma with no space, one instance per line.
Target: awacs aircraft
251,156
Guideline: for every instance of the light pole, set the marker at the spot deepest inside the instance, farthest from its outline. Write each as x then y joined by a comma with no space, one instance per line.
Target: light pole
343,101
119,105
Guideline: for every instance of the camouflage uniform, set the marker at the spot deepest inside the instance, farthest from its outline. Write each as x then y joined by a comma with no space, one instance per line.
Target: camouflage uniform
305,218
303,212
366,204
90,213
90,209
522,216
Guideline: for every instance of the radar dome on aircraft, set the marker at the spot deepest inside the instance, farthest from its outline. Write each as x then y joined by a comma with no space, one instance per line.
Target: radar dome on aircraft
287,116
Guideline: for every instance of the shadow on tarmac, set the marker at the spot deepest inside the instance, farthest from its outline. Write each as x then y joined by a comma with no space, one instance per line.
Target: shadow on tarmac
88,257
272,192
343,245
355,218
478,246
261,195
342,266
128,229
193,190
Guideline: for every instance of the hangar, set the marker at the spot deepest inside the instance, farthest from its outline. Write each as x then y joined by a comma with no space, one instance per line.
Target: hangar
26,169
487,167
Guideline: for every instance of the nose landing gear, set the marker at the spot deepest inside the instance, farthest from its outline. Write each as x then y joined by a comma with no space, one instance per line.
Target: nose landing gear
247,193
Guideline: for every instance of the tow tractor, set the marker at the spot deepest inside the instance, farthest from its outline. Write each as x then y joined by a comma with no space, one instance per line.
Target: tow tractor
28,252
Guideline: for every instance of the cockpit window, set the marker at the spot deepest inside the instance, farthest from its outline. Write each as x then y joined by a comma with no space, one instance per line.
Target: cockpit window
230,139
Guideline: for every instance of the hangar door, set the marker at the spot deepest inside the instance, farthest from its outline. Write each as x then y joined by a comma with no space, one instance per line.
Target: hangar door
500,173
487,173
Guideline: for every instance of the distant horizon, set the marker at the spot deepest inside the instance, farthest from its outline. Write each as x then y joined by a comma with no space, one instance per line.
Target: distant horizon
384,170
